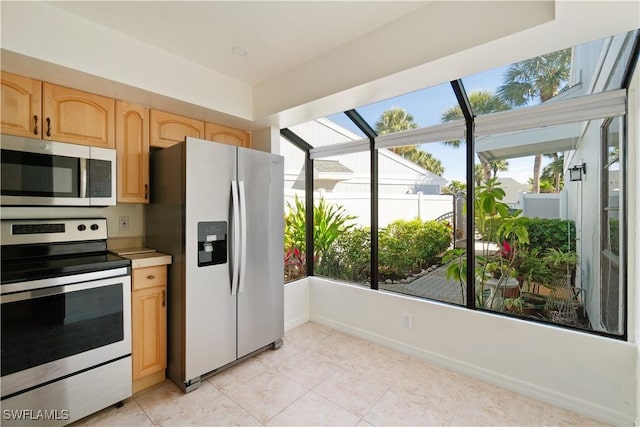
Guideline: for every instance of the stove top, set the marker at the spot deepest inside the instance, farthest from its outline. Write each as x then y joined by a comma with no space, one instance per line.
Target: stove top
43,249
45,268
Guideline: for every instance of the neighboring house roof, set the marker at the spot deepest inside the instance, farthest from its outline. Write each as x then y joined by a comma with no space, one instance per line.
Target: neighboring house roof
512,189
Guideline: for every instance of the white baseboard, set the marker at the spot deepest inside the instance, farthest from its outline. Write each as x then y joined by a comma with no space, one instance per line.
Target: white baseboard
552,397
294,323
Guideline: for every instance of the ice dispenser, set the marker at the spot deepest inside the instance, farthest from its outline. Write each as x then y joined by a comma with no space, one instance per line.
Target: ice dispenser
212,243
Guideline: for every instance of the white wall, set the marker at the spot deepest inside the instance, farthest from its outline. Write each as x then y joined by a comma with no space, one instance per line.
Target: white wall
296,303
588,374
633,263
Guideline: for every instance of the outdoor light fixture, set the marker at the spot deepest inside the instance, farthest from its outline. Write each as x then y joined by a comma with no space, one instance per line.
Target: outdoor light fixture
575,173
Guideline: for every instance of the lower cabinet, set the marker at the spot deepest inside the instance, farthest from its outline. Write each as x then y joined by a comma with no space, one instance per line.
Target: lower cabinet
149,326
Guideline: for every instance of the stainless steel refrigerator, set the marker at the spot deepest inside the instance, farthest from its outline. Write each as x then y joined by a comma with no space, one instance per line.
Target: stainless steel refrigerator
218,209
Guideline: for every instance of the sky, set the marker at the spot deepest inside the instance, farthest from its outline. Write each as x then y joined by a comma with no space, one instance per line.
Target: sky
426,106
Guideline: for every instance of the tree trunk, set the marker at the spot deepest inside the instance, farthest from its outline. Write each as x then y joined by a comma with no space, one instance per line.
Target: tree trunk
537,162
486,169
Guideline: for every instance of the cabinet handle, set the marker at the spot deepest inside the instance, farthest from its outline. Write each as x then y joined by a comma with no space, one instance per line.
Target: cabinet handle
48,126
146,191
164,297
151,277
35,125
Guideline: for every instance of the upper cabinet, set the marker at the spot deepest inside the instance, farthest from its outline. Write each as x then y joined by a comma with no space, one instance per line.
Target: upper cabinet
169,129
21,105
132,145
227,135
77,117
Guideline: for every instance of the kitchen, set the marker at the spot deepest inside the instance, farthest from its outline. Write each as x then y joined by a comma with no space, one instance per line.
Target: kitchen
108,62
55,172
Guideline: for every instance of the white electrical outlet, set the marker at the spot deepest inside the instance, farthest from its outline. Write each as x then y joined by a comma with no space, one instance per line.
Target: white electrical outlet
406,320
124,223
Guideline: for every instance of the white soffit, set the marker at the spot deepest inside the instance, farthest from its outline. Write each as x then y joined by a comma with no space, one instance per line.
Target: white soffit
553,139
597,106
438,133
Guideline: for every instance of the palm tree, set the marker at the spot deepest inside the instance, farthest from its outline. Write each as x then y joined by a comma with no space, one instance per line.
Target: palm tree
482,102
397,119
454,187
498,166
536,78
426,161
553,171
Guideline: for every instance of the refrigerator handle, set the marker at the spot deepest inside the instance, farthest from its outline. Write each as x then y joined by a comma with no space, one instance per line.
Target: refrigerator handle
236,238
243,247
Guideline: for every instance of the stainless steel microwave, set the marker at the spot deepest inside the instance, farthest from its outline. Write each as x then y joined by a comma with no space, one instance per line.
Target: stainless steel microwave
45,173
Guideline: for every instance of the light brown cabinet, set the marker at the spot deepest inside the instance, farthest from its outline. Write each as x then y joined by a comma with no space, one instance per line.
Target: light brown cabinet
77,117
149,326
21,105
132,145
168,129
227,135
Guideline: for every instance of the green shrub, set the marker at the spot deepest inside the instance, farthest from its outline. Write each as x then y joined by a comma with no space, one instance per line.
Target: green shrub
348,258
407,247
551,233
330,221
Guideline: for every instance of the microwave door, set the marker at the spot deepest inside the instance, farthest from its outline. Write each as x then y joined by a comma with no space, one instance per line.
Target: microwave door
39,173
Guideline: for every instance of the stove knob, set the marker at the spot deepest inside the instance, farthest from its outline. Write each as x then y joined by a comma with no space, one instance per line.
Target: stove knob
82,227
94,227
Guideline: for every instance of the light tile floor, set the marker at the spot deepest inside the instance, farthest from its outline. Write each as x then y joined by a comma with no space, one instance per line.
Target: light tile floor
322,377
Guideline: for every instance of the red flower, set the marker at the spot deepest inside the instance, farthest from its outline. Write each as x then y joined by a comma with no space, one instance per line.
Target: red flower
506,249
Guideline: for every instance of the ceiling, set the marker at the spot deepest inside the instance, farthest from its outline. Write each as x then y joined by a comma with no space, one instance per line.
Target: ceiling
306,59
277,36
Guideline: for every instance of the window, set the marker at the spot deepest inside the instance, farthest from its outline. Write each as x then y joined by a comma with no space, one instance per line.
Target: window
294,209
538,248
342,217
612,227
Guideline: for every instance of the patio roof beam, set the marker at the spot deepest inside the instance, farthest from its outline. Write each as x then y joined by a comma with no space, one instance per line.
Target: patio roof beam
467,111
361,123
633,61
296,140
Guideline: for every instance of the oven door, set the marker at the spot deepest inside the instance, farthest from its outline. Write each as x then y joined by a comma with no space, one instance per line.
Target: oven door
49,333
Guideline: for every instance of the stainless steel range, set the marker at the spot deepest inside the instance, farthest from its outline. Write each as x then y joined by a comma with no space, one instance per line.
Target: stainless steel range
66,321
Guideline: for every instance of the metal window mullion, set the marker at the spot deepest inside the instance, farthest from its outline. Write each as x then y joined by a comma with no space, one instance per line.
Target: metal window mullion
471,270
308,194
374,214
467,111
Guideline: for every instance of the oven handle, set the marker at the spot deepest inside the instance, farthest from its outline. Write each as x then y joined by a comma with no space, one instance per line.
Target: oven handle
63,280
57,290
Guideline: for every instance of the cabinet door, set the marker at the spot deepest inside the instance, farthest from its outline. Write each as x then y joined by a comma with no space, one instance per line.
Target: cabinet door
77,117
149,331
226,135
169,129
132,145
21,106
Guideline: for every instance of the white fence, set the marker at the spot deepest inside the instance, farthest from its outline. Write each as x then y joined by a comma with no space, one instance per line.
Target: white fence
390,206
544,205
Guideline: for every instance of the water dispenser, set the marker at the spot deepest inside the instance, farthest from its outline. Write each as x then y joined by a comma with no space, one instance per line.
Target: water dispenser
212,243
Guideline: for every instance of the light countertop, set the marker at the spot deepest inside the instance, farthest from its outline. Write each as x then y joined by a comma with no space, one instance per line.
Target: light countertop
145,259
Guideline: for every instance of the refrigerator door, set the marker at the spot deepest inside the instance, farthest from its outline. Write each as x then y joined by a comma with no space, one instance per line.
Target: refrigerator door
261,283
210,307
